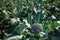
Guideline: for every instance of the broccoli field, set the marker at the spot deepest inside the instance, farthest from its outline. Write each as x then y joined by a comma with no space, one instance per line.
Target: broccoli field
29,19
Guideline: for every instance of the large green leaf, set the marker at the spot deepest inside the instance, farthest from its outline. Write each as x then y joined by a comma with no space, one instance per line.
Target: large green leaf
19,29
